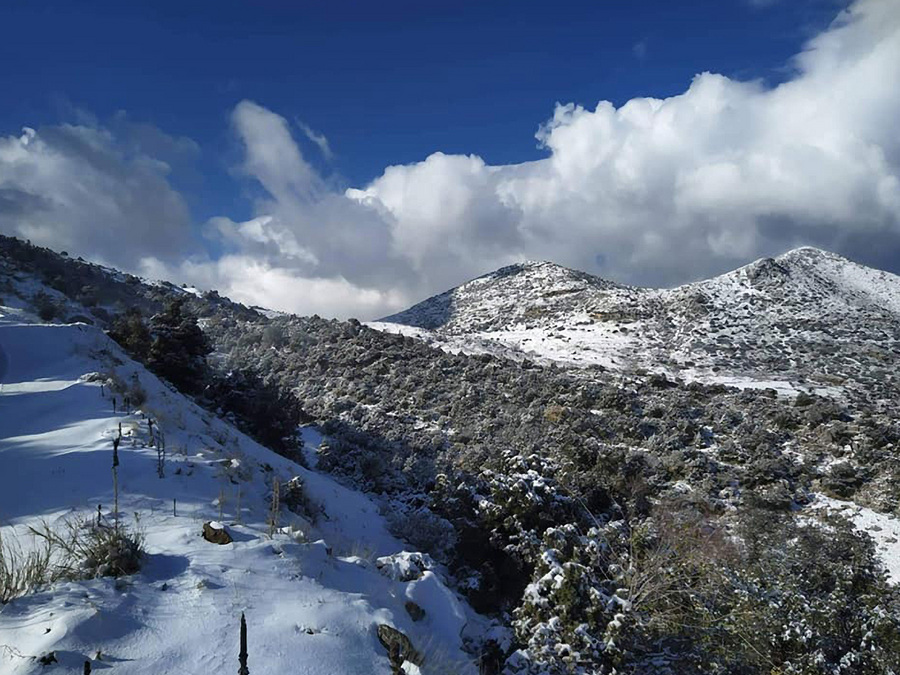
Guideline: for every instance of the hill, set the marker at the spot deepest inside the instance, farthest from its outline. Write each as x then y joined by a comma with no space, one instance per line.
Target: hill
805,321
602,517
315,581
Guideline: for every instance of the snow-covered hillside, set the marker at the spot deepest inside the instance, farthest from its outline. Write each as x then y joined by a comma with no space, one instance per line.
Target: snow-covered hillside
805,321
314,593
529,482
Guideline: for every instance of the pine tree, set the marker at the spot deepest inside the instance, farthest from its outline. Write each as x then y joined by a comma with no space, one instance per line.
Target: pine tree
130,331
179,348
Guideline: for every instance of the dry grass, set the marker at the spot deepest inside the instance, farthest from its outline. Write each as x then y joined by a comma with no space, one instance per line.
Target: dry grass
21,571
82,549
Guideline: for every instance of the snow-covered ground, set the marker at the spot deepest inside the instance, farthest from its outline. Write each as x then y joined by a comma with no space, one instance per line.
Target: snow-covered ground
313,593
884,530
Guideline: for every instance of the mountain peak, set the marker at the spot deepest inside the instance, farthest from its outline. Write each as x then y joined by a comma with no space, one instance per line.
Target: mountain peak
529,267
753,324
518,292
810,254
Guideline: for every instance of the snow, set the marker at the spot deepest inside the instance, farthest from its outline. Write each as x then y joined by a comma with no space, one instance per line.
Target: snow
784,388
404,566
883,528
807,321
312,594
398,329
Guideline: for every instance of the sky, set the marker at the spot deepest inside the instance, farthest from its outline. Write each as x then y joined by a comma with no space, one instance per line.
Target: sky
350,159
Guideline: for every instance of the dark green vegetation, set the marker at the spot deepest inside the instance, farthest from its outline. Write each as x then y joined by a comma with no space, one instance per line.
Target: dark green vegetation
615,522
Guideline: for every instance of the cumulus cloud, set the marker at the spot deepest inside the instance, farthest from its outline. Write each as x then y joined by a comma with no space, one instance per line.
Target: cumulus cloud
663,191
254,280
657,191
92,192
310,249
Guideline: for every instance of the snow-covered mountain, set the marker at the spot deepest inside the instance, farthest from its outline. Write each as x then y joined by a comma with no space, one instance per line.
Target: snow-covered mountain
807,320
315,591
525,482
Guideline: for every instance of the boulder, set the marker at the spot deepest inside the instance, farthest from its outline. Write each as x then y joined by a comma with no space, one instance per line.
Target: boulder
399,647
216,533
404,566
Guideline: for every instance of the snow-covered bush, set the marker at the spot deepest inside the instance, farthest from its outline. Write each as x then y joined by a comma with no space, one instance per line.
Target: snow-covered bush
805,597
295,498
83,549
424,529
570,614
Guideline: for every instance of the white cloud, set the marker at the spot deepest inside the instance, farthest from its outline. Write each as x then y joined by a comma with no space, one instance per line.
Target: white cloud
253,281
83,189
319,139
663,191
657,191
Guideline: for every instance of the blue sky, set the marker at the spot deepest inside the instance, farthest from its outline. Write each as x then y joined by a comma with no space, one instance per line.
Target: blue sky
352,158
386,83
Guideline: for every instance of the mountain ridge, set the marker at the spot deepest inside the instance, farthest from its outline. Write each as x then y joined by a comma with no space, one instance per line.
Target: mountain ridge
807,317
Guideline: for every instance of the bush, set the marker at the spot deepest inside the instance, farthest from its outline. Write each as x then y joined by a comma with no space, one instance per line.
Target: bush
47,310
179,348
777,594
132,334
297,500
21,571
424,530
264,411
85,550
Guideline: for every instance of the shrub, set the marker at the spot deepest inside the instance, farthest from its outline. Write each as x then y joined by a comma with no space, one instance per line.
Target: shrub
179,348
21,571
47,309
296,499
84,549
132,334
262,410
424,530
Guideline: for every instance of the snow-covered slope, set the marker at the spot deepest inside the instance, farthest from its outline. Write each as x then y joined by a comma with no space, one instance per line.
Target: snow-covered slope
313,593
807,320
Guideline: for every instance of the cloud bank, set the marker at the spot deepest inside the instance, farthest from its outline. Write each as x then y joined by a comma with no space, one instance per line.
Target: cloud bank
89,191
657,191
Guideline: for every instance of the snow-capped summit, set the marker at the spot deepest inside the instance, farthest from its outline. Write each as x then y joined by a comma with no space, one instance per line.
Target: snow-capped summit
515,293
808,319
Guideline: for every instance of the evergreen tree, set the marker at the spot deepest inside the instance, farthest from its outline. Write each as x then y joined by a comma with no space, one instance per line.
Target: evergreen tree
179,348
269,414
130,331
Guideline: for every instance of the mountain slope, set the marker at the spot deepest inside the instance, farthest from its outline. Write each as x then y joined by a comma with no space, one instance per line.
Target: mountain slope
312,603
807,320
517,475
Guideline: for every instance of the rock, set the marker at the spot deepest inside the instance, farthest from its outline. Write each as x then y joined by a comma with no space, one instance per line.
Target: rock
415,612
404,566
399,647
47,659
216,533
